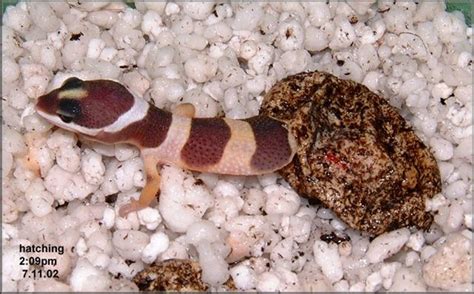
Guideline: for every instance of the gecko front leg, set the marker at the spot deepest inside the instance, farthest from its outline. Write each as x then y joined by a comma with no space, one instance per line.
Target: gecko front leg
151,189
152,166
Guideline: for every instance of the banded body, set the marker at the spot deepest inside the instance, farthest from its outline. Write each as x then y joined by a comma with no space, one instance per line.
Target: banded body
105,111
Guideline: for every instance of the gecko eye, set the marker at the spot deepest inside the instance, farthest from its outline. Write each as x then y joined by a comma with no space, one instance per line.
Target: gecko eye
68,109
66,119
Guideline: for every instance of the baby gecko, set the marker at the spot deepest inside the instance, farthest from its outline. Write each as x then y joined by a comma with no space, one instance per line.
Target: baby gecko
106,111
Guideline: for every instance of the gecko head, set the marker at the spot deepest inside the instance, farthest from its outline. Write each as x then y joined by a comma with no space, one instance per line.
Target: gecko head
86,107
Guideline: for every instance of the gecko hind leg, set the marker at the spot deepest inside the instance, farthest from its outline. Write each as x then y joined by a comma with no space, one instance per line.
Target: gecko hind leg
185,109
149,192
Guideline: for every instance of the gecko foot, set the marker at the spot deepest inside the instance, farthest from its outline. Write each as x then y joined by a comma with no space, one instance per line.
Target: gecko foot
133,206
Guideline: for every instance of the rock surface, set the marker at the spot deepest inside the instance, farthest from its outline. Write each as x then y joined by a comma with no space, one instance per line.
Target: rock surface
356,154
174,275
171,275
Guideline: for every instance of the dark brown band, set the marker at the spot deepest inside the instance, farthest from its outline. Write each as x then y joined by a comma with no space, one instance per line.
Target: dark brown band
271,139
206,143
149,132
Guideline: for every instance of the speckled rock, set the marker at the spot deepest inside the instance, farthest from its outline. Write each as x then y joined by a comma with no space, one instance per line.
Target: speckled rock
181,275
451,265
356,154
171,275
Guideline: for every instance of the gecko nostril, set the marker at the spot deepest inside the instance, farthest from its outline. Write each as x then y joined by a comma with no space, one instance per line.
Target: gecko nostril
47,103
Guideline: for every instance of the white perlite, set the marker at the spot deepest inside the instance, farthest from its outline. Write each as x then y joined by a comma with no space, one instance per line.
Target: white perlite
59,188
182,203
86,277
327,257
243,276
451,265
407,280
129,243
159,242
386,245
